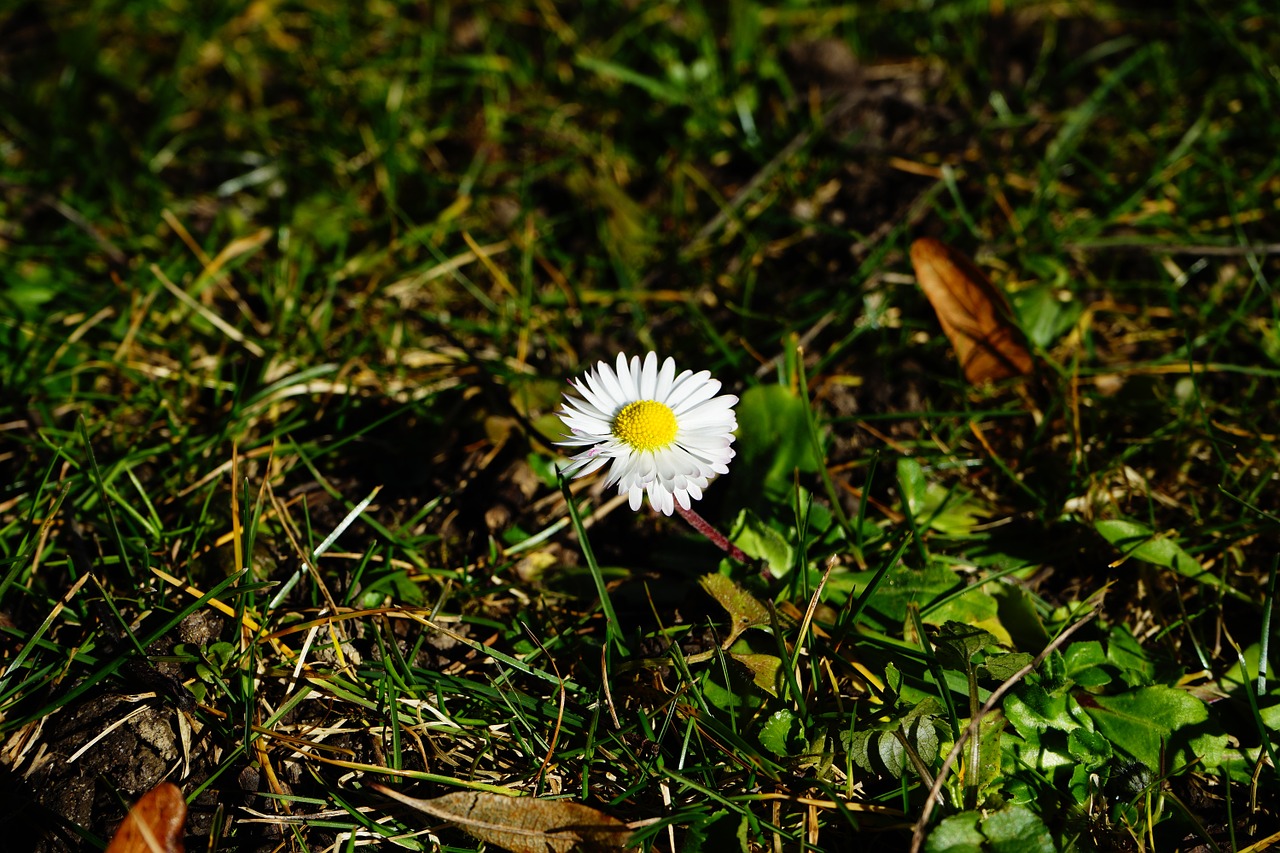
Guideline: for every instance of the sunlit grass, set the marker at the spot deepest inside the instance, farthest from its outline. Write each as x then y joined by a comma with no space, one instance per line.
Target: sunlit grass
291,295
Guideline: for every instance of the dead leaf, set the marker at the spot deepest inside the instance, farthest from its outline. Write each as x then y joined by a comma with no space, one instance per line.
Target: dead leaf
524,824
744,610
974,315
764,670
154,824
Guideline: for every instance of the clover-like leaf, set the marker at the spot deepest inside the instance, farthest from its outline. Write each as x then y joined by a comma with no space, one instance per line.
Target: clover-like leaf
782,733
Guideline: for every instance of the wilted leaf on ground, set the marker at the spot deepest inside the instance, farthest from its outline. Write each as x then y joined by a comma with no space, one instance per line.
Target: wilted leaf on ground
154,824
764,670
524,824
974,315
745,611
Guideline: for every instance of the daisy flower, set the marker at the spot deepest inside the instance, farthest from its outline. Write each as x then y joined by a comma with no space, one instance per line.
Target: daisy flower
666,435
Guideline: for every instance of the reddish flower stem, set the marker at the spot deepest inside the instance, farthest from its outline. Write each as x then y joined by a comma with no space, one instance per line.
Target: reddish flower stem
704,527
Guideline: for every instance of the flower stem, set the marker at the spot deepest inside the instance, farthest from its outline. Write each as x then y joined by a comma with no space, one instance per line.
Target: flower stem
704,527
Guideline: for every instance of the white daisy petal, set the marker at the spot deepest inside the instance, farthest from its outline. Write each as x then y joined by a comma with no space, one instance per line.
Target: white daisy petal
648,380
666,378
626,376
610,382
686,384
661,433
698,396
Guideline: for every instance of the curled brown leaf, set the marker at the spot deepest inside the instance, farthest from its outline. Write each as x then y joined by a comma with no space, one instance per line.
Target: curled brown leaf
154,824
974,314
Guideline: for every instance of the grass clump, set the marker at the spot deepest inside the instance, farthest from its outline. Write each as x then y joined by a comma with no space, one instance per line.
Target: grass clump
291,295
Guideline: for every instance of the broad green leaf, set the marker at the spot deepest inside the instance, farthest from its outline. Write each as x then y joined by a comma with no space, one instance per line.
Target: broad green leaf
878,750
1237,674
1013,829
736,694
912,484
956,834
1033,709
773,439
1090,748
1127,655
956,643
1085,661
952,512
1019,616
1042,315
1016,829
972,607
782,733
1140,542
1143,722
759,540
893,679
902,586
990,730
1002,667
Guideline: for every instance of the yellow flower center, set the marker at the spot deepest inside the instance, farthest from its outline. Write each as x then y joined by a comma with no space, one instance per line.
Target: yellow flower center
646,425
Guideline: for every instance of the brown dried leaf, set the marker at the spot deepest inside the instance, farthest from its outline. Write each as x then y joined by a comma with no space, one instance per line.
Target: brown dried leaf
974,315
154,824
524,824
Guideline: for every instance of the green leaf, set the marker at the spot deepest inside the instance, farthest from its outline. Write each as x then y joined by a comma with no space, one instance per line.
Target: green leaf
1143,722
956,834
1033,709
952,512
773,439
902,586
1013,829
723,830
990,731
893,680
759,540
1001,667
956,643
972,607
1127,655
878,750
1042,315
1084,662
1089,748
782,733
734,695
1017,829
912,484
1140,542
